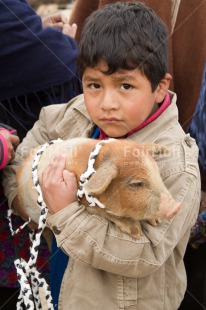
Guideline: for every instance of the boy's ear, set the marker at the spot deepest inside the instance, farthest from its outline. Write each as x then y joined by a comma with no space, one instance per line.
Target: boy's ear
163,87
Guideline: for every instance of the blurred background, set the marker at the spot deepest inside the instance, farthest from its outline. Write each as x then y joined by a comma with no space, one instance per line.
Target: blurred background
48,7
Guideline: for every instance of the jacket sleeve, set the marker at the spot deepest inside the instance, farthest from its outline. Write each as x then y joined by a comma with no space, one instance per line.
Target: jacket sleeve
42,132
95,241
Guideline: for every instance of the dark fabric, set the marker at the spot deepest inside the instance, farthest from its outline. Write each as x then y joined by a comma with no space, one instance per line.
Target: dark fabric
197,130
32,58
198,125
8,298
22,112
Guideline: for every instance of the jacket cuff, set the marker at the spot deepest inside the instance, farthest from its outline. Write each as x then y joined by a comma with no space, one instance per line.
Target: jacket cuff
68,218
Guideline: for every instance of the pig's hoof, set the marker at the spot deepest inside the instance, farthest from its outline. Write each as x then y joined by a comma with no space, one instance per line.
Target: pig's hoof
136,235
154,222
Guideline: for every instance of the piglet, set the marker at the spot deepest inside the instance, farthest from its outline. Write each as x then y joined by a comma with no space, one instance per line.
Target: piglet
126,181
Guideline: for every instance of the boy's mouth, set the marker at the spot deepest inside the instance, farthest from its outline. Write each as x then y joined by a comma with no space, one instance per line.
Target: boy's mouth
110,120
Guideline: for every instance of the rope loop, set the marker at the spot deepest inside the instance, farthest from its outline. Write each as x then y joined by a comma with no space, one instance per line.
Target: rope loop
84,178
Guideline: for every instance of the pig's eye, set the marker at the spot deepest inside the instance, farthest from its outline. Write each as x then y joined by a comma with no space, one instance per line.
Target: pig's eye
137,184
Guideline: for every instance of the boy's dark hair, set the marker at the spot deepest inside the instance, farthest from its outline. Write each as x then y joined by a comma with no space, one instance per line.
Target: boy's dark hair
125,36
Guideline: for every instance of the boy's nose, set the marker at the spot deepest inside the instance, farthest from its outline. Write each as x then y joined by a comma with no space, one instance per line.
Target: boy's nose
109,101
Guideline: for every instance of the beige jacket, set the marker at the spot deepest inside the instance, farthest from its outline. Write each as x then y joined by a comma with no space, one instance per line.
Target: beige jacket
108,269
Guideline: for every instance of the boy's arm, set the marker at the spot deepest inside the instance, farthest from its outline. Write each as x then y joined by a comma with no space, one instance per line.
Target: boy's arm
93,240
42,131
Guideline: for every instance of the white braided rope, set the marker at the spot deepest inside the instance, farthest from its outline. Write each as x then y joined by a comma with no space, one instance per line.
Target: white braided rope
29,278
9,214
88,173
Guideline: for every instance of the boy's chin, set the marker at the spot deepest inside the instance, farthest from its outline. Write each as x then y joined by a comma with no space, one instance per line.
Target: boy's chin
116,135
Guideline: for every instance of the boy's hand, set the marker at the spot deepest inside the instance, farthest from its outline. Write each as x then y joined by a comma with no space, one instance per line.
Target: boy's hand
61,22
59,186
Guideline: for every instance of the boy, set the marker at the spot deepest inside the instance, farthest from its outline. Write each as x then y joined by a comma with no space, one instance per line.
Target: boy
123,61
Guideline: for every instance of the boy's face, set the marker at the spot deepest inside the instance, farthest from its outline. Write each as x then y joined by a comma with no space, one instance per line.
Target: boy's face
119,102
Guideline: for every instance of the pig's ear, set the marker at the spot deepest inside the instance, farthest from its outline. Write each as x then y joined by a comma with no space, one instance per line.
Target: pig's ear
101,178
155,149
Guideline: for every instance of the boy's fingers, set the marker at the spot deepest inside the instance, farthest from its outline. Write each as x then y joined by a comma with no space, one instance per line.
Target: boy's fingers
68,177
54,171
48,174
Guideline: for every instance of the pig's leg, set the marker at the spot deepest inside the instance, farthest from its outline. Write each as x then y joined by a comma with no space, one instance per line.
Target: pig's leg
126,225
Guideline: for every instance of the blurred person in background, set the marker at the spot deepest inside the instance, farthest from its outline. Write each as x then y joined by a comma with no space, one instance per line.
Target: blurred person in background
38,68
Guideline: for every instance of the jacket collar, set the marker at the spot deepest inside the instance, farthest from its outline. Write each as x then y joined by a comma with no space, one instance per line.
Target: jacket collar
76,121
164,122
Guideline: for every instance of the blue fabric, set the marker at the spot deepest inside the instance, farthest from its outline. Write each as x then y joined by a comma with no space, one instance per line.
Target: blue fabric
59,259
96,133
198,125
32,58
58,264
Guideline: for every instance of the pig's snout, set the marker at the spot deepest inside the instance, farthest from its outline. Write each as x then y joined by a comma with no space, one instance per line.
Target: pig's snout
168,207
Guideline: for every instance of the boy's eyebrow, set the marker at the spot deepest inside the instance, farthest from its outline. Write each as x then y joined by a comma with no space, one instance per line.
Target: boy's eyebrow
121,78
125,77
90,78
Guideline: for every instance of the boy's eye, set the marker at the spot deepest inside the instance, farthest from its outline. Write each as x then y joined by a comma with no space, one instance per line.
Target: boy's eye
126,86
94,86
